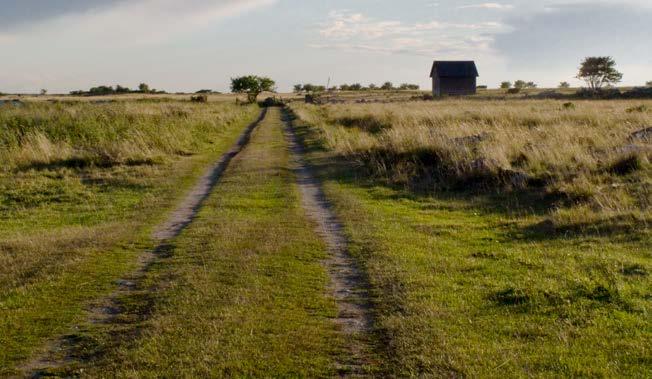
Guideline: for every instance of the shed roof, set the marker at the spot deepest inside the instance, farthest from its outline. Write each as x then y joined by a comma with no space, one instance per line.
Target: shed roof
454,69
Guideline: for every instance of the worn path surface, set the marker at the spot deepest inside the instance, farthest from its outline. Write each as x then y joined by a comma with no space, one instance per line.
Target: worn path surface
63,351
347,283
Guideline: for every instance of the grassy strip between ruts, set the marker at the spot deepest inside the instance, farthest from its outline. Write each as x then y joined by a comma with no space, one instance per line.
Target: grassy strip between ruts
464,289
68,233
243,291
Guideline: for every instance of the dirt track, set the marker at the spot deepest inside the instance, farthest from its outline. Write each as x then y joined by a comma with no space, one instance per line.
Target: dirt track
347,283
59,352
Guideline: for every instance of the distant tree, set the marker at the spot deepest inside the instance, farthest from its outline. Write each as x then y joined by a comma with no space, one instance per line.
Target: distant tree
144,88
101,91
204,91
564,85
308,87
252,85
345,87
121,89
319,88
387,86
414,87
531,85
298,88
649,84
520,84
598,72
506,85
356,87
44,92
372,86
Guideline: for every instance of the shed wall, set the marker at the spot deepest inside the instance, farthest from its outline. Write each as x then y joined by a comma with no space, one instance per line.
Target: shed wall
454,86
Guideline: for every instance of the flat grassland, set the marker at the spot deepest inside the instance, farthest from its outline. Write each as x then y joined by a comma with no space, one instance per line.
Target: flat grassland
242,294
81,187
505,237
499,237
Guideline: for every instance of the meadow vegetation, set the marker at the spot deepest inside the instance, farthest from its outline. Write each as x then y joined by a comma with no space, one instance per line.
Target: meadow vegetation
500,238
591,159
81,187
242,292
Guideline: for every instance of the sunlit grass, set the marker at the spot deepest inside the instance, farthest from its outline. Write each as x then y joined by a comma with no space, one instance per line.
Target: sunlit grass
585,156
474,275
81,187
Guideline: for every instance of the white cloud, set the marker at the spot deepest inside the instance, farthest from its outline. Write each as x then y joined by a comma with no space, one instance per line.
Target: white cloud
351,31
138,22
487,6
346,25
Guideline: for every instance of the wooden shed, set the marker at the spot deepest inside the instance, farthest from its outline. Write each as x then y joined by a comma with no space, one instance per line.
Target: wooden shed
454,78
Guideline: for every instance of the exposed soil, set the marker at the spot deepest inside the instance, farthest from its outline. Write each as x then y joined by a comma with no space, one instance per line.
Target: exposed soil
348,285
64,351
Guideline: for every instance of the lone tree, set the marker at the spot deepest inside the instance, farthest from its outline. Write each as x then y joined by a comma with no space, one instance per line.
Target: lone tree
387,86
144,88
298,88
506,85
598,72
564,85
520,84
252,85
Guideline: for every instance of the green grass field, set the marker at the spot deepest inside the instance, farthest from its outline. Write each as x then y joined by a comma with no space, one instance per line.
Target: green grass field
467,281
497,238
244,281
74,220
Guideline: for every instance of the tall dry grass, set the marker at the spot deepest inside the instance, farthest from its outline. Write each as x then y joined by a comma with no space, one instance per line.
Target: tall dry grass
585,154
86,134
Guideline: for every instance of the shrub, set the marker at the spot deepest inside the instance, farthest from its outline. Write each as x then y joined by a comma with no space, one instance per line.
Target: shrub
273,102
514,91
569,106
387,86
638,93
603,93
202,98
627,165
640,109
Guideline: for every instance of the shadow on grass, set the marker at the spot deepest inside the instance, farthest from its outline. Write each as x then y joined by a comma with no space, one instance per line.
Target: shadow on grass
481,193
117,323
86,162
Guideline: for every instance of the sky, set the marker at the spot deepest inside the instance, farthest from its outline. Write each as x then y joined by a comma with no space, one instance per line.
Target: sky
64,45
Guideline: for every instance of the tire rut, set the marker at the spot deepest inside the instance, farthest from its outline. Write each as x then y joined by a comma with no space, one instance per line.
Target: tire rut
63,352
348,285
